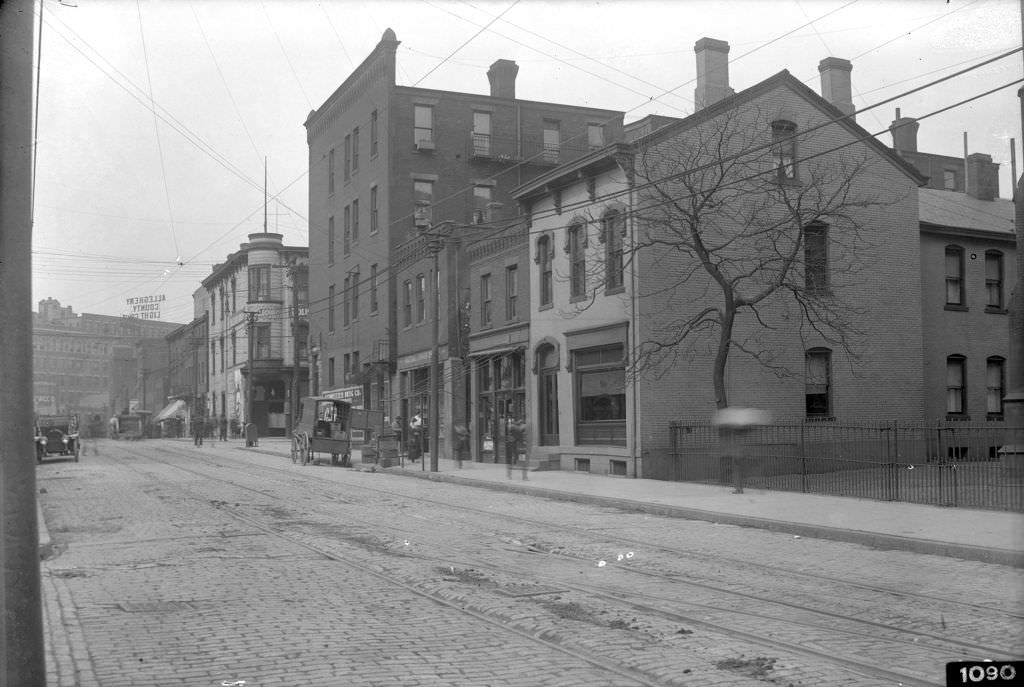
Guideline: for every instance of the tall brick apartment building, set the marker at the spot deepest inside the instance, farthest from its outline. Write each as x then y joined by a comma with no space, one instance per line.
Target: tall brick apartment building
617,274
389,164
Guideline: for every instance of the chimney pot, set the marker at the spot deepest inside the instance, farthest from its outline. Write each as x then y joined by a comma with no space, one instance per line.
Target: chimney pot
835,83
904,134
502,76
982,177
712,72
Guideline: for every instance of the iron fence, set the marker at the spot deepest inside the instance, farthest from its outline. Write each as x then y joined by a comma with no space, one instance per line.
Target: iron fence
947,464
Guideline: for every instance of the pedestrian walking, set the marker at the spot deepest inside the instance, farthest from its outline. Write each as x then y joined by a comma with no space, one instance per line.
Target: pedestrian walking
415,440
223,427
197,430
515,436
461,442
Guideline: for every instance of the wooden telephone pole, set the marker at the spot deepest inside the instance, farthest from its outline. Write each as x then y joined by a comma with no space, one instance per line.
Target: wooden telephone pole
22,652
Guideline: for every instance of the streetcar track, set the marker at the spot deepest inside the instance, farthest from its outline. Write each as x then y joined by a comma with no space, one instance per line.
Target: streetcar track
616,669
632,541
646,601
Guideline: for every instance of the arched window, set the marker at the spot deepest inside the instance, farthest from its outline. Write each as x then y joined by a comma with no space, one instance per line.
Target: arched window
816,277
954,275
995,385
577,261
612,227
544,271
547,392
784,149
818,382
956,385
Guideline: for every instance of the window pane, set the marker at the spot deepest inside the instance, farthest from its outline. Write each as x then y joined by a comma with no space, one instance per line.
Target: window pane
815,258
955,385
482,122
994,386
424,124
423,192
816,385
953,263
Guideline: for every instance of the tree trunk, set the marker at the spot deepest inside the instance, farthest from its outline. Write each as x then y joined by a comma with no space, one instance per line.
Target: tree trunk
722,355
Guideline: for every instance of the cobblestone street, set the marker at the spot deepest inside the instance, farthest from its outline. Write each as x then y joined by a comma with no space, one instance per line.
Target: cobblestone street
175,565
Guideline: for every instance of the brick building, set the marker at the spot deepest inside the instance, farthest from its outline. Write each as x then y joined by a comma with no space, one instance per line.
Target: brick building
188,373
968,268
87,363
252,328
618,274
388,163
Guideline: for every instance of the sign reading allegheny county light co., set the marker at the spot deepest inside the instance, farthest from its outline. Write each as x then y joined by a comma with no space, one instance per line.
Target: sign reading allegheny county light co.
144,307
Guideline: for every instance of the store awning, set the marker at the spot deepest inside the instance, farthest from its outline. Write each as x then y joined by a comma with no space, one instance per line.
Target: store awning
169,410
498,350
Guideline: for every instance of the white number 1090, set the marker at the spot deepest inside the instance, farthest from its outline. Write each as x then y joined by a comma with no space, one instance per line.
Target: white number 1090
978,674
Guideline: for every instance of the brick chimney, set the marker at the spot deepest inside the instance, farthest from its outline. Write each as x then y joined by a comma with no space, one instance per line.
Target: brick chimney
982,177
835,83
502,76
712,72
904,134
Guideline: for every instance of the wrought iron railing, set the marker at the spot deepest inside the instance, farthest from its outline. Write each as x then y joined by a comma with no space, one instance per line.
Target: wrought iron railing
949,464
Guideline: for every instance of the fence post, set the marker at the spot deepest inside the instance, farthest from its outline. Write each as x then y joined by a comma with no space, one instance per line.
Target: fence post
803,460
896,461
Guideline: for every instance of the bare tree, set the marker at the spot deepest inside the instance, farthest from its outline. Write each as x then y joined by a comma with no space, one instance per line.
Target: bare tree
741,216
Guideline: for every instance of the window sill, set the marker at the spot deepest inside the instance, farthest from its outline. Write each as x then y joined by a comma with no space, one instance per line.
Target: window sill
996,311
820,418
545,306
956,307
578,299
793,183
957,417
995,417
615,290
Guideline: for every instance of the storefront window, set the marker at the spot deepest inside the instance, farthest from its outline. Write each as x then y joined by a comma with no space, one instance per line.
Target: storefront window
600,396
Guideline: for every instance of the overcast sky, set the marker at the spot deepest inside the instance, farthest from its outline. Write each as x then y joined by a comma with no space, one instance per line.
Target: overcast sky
130,203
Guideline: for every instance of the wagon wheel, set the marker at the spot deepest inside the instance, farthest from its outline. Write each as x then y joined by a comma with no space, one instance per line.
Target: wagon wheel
305,453
296,448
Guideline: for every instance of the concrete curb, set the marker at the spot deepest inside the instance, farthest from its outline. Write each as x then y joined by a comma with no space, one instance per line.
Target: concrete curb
873,540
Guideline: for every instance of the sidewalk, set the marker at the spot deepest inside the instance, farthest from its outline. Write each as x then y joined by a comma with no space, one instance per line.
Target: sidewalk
978,535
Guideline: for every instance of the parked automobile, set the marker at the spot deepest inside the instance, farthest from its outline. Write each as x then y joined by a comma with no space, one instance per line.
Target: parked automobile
57,434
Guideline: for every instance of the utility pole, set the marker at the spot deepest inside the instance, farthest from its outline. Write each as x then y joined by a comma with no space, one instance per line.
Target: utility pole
293,273
250,326
436,243
22,652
